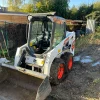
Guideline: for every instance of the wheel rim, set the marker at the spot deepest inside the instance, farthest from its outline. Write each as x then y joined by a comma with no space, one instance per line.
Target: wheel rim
70,63
60,71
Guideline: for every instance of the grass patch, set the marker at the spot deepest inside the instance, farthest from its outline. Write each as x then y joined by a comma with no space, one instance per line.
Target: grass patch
84,41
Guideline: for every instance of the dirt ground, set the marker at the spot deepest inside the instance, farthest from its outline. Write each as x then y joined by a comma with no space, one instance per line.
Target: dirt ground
10,91
83,82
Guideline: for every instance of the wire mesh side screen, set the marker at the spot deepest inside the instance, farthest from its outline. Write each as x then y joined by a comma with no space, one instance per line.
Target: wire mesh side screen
12,35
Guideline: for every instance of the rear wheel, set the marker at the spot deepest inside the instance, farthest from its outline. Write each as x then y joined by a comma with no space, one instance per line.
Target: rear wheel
57,72
68,59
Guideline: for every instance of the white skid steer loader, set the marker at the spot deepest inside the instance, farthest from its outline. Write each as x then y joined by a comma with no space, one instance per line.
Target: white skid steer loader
46,58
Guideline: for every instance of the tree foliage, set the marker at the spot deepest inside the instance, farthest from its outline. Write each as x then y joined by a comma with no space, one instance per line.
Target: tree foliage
28,8
96,6
73,12
83,10
59,6
42,6
14,5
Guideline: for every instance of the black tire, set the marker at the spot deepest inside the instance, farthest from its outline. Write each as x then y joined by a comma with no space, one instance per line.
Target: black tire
66,57
54,71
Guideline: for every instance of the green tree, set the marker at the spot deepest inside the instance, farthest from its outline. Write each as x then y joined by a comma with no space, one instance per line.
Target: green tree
43,6
83,11
39,7
96,6
73,13
59,6
14,5
27,8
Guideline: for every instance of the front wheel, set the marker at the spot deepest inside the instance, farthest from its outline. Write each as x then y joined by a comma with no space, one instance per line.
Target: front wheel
57,72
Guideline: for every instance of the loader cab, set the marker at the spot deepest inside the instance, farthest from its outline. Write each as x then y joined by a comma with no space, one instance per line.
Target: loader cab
45,32
39,34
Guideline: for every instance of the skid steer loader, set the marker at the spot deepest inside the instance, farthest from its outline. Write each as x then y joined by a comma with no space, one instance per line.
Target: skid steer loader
46,58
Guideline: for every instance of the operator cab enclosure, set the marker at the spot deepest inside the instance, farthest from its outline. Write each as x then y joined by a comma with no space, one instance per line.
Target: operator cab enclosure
41,32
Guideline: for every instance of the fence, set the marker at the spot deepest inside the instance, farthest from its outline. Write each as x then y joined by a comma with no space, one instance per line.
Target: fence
12,35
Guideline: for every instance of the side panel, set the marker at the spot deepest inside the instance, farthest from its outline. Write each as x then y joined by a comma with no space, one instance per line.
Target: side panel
18,54
71,36
67,45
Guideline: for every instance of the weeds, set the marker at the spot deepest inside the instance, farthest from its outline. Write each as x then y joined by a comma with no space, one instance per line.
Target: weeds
84,41
3,53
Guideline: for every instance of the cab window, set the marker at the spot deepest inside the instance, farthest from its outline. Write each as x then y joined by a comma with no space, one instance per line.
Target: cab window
58,34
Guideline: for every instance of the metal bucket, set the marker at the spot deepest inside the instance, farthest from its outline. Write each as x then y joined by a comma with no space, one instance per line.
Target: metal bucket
15,85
